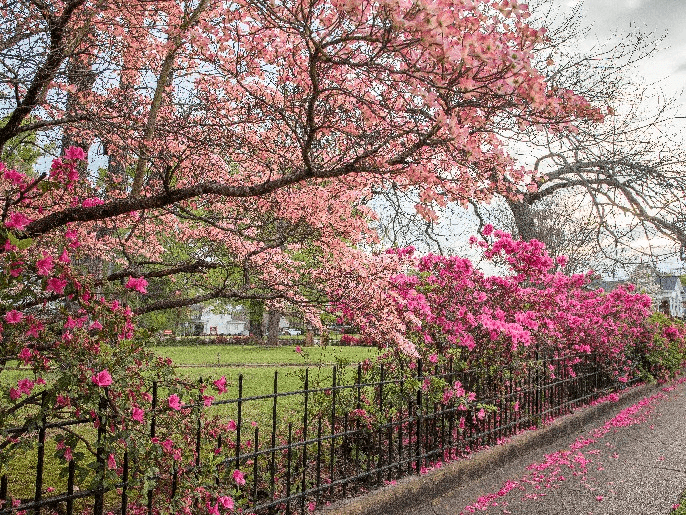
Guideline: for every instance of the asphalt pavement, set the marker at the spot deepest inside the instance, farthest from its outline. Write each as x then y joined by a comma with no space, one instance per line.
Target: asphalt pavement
625,457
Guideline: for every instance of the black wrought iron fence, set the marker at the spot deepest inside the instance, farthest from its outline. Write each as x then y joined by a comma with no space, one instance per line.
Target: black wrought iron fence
327,441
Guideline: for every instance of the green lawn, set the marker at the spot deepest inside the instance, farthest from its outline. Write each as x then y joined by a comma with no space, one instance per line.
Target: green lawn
247,355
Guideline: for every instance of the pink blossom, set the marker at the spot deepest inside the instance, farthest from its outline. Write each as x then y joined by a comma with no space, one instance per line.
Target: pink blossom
111,462
95,326
226,502
433,358
25,355
207,400
238,477
102,378
14,394
17,221
25,386
14,316
16,178
90,202
75,153
174,402
137,414
221,384
298,349
56,284
212,509
137,284
45,265
231,426
68,454
168,445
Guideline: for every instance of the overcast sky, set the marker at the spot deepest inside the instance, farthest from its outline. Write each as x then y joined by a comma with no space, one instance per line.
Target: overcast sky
662,17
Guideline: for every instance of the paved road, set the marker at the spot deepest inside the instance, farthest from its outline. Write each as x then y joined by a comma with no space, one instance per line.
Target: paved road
632,461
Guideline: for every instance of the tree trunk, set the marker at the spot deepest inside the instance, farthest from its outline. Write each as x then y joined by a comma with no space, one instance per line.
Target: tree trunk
524,220
255,316
273,318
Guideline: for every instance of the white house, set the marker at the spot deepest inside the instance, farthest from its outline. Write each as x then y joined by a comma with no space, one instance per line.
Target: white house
670,298
229,322
666,291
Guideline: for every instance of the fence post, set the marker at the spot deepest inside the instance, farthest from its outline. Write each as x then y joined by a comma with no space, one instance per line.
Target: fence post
418,430
304,478
152,434
98,505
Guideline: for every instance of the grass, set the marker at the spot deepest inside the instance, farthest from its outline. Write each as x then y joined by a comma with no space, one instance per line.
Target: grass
256,364
251,355
680,508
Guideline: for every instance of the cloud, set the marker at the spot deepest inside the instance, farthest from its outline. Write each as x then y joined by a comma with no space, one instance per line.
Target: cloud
681,68
633,4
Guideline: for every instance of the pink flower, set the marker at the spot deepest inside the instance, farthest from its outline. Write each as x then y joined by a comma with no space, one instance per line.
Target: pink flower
213,509
14,394
207,400
25,355
312,506
433,358
75,153
168,445
111,462
67,454
174,402
238,477
137,414
90,202
231,426
45,265
57,285
102,378
137,284
221,384
25,386
64,257
226,502
13,316
95,326
298,349
17,221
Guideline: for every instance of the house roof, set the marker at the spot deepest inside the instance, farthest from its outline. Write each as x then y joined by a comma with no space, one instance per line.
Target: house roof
607,286
668,282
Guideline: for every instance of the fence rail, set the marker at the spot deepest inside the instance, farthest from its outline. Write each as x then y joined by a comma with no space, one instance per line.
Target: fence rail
347,436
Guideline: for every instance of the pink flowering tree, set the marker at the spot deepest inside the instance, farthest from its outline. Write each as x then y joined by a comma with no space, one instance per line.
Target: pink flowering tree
243,141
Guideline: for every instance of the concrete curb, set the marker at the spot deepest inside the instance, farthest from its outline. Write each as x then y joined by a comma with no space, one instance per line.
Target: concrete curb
413,491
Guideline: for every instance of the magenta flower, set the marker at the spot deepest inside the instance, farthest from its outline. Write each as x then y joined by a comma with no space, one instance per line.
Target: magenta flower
14,394
298,349
102,378
433,358
14,316
238,477
25,355
226,502
17,221
138,284
45,265
75,153
174,402
137,414
111,462
56,284
221,384
25,386
231,426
